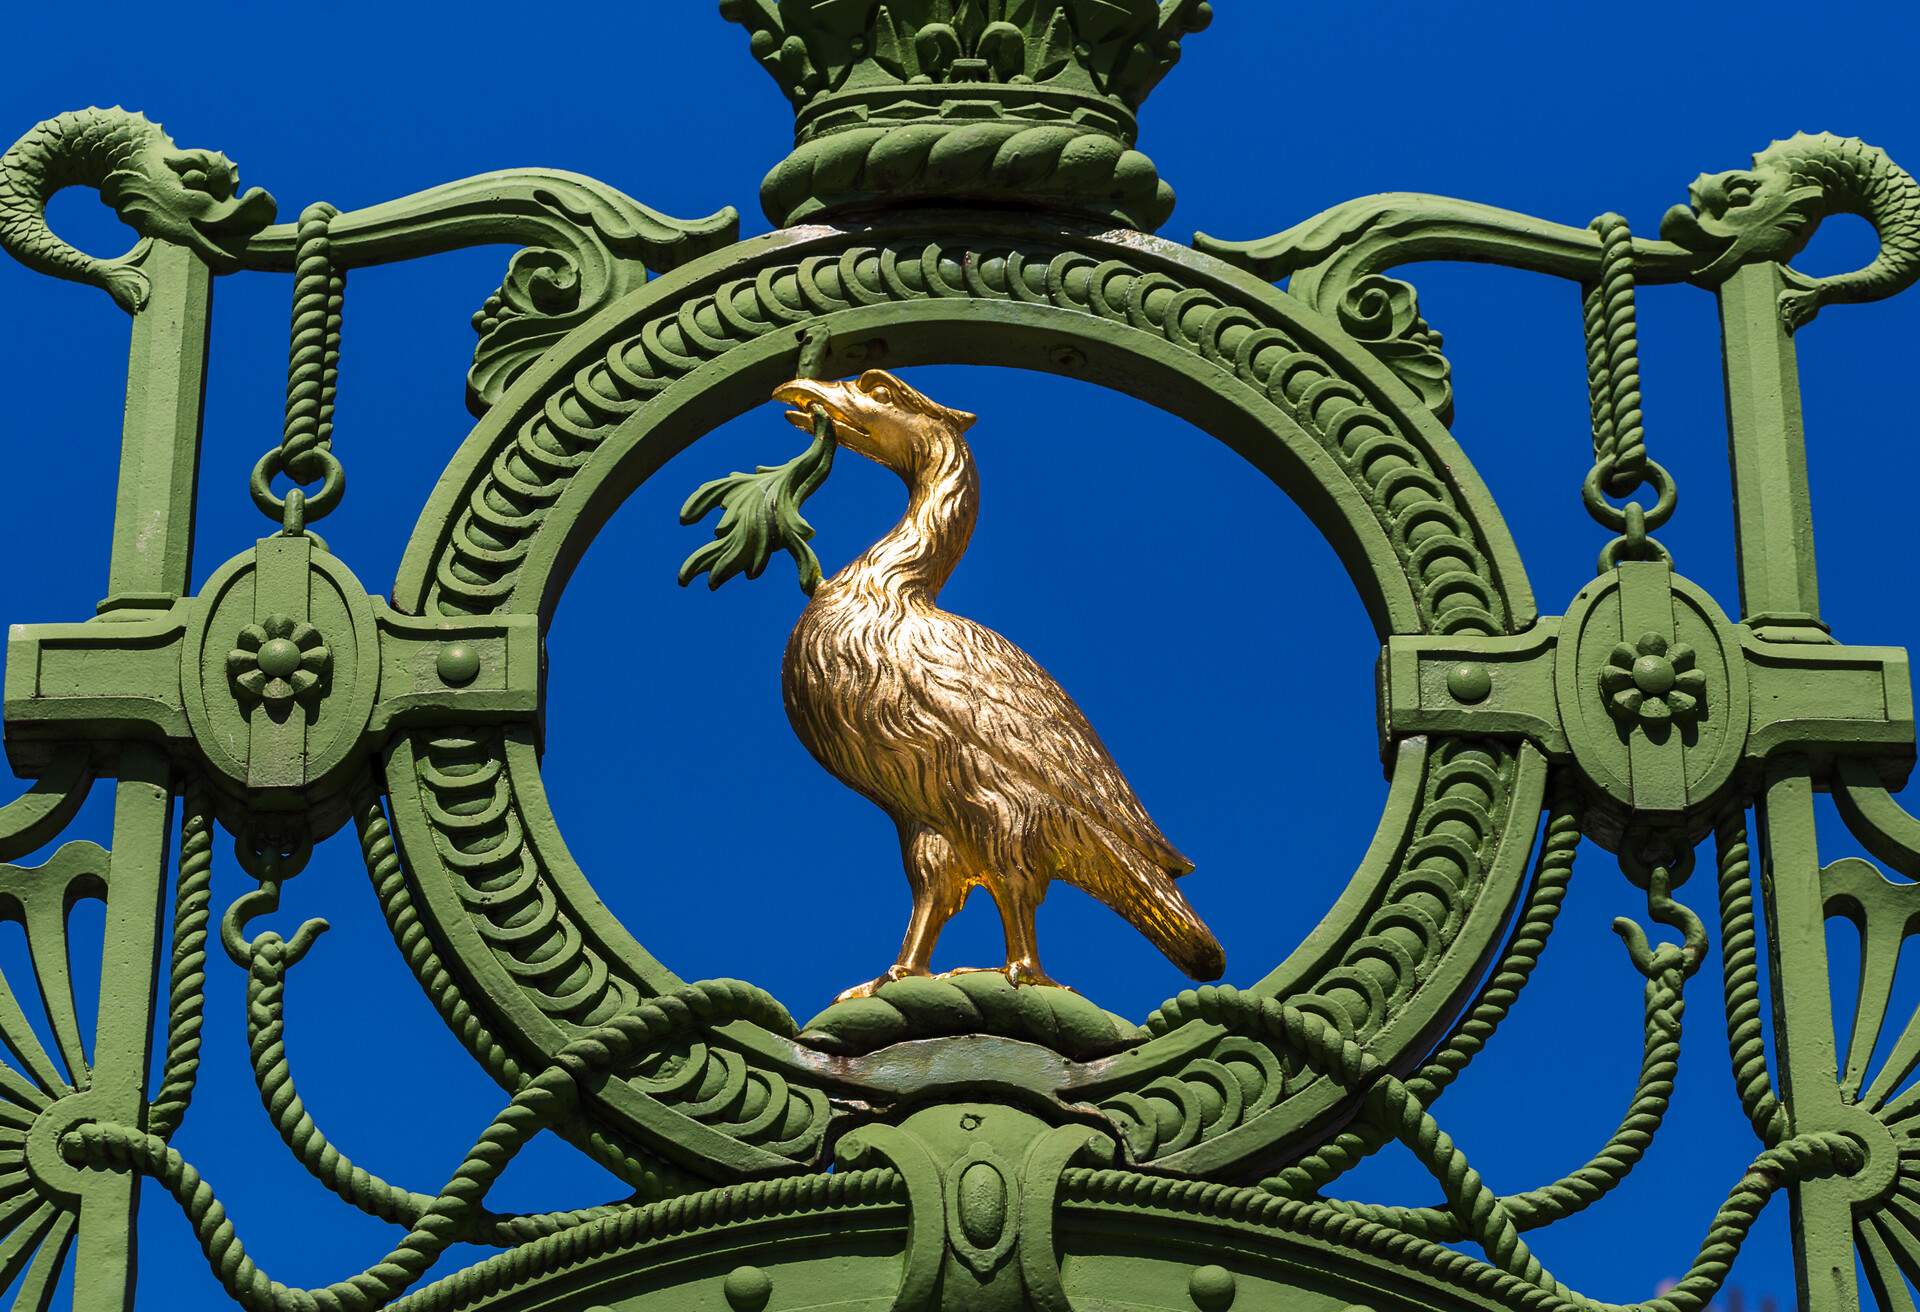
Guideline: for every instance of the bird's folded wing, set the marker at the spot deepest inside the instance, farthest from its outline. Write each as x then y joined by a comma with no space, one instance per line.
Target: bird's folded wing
1003,707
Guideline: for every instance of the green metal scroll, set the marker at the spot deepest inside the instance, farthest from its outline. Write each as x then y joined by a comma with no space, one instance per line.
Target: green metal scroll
965,187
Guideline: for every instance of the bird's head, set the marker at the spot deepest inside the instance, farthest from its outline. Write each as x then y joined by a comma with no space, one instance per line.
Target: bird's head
878,416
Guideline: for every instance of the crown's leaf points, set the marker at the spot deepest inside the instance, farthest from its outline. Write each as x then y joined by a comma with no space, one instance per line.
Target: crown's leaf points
983,71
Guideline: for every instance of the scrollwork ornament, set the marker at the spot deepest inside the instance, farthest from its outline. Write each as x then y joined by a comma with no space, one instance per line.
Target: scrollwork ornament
1384,313
584,245
603,245
964,188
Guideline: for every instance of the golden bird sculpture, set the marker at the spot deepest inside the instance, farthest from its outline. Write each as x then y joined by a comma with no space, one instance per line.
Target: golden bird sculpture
992,774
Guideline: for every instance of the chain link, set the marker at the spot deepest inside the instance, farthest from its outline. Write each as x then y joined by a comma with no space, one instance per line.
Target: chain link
273,853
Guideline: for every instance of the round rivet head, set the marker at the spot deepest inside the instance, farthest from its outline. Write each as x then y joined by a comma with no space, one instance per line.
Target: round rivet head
458,665
1469,682
747,1288
279,657
1212,1288
1654,675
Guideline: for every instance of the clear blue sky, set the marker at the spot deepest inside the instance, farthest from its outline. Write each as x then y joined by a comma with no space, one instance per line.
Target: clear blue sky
1208,633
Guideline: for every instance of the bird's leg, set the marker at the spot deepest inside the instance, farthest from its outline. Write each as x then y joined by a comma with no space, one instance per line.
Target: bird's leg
937,893
1017,910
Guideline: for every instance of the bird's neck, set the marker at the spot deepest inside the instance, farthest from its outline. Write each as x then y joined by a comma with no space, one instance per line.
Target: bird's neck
943,501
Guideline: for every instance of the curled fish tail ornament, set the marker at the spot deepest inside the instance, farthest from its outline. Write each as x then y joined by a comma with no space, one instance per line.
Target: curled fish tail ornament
1857,179
81,148
190,197
964,192
1771,211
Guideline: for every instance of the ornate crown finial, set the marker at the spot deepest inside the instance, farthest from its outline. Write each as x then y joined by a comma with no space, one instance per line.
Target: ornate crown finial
997,100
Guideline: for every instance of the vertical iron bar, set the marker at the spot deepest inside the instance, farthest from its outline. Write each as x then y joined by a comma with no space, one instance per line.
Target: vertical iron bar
151,567
1803,1029
103,1258
1773,513
160,439
1779,596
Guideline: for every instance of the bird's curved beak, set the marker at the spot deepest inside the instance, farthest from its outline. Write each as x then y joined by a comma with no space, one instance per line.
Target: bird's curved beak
805,393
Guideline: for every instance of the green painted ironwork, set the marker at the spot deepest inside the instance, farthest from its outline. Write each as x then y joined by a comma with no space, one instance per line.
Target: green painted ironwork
960,166
760,514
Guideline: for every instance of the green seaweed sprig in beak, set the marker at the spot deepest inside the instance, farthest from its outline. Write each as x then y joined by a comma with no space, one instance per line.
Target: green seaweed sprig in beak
761,515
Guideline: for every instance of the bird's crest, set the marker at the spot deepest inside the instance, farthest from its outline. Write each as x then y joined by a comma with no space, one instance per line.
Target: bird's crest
914,399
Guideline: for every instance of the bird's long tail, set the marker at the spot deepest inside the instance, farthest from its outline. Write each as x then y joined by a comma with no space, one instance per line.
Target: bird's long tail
1146,895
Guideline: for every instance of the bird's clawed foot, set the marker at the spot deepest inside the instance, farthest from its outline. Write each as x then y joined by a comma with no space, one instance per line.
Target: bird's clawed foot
1023,974
1018,973
867,990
